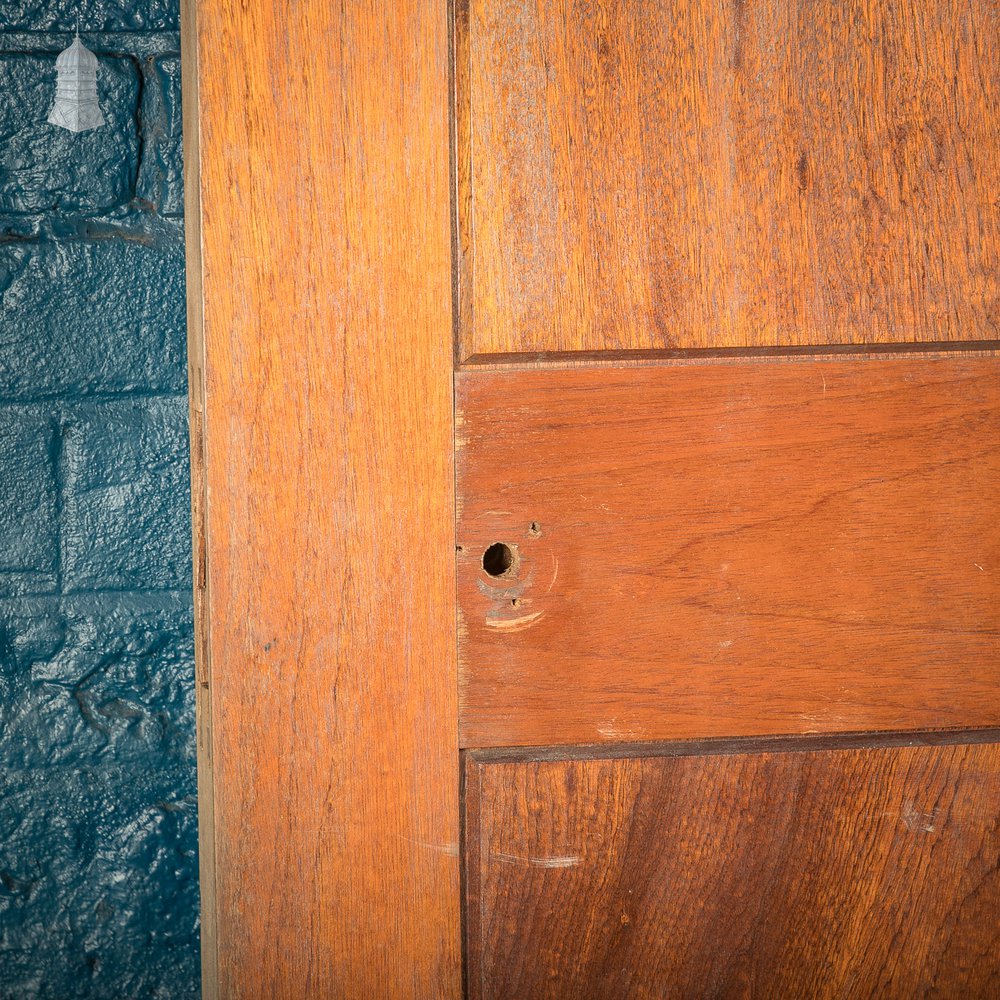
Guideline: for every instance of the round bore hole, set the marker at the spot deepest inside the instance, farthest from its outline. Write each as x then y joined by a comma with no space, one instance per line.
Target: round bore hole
498,559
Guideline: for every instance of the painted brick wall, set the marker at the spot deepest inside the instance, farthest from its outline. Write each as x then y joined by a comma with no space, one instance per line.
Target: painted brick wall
98,862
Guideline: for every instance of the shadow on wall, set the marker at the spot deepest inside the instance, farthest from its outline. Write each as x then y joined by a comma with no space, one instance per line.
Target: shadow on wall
98,842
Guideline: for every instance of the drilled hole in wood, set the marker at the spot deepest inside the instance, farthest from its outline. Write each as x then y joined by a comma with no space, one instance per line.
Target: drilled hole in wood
534,529
498,559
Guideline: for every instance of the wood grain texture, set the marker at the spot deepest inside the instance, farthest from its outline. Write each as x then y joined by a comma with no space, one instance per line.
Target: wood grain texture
711,174
199,503
325,259
844,874
725,550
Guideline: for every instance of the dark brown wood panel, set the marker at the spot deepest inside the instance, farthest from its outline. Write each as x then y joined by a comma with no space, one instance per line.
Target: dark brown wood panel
322,357
840,874
724,550
719,174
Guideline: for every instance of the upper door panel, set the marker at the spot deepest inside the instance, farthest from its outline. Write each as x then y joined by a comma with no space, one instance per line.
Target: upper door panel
726,173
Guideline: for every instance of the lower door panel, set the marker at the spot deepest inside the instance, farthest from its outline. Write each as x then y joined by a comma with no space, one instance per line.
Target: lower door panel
768,869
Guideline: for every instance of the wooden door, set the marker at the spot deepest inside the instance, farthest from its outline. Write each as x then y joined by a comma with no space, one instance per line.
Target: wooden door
596,411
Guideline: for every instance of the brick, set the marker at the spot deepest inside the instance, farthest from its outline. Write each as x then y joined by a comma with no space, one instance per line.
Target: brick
46,168
160,183
127,496
98,883
97,680
95,15
79,317
98,825
98,832
29,529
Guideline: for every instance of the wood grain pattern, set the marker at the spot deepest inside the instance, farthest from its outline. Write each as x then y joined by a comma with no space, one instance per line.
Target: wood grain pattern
325,259
710,174
199,504
725,550
844,874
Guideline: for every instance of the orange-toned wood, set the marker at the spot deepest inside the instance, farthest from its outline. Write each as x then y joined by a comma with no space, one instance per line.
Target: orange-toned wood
719,174
729,549
328,518
824,874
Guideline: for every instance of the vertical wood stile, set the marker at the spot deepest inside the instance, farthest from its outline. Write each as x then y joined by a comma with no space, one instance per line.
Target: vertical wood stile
320,312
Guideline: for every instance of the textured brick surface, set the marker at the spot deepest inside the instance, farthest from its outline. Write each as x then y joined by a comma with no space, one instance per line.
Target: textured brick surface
126,491
94,15
159,184
29,501
93,877
98,867
98,888
80,317
105,678
44,168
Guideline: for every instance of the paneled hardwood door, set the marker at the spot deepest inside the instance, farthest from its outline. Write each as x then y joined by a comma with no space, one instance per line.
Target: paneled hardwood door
596,420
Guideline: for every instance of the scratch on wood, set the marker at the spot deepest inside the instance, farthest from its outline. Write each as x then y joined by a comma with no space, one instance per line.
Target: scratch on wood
555,573
917,821
449,849
612,731
514,624
558,861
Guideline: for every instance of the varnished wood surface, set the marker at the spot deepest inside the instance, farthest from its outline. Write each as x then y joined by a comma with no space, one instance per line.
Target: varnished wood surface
328,518
199,507
723,174
725,550
846,874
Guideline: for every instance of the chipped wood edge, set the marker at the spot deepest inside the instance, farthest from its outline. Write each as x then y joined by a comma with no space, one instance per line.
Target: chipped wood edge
199,498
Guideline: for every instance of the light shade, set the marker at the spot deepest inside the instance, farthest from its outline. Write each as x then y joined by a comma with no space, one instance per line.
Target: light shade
76,107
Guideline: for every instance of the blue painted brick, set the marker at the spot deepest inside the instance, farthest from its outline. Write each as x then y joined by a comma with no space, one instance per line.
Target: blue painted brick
98,837
81,317
98,842
127,496
29,500
105,677
94,15
44,167
98,892
160,183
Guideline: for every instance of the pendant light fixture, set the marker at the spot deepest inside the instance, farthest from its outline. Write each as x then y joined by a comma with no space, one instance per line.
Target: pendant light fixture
76,107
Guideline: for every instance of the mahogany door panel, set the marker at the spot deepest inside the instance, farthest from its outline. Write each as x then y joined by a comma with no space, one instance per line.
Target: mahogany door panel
728,549
726,173
841,874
